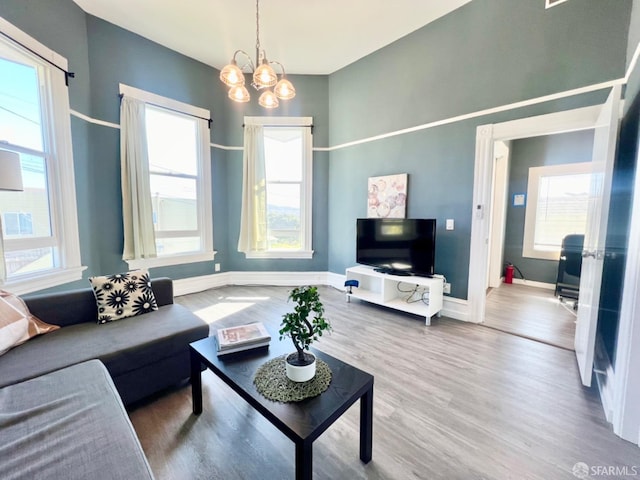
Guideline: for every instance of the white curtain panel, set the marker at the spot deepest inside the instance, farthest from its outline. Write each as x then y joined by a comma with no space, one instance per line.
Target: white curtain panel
137,210
253,219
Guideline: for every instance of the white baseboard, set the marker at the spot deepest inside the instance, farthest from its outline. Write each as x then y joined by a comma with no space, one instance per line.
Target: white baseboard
533,283
185,286
605,378
284,279
336,280
456,308
452,307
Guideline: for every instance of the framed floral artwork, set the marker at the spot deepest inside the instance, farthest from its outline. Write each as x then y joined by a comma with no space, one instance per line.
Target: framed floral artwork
387,196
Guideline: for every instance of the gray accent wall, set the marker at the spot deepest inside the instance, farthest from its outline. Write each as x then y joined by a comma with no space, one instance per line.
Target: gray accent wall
574,147
488,53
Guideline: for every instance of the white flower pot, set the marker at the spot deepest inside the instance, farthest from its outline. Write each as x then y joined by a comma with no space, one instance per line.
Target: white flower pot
302,373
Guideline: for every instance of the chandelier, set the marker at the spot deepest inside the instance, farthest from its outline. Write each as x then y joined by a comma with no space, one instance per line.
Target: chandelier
264,77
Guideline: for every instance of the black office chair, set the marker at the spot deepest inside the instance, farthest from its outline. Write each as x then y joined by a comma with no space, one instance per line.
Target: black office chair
570,267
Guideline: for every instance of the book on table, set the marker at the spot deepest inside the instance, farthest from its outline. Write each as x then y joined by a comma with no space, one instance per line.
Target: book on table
242,337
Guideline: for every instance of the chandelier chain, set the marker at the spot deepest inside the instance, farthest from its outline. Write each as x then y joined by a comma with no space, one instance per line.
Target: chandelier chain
257,28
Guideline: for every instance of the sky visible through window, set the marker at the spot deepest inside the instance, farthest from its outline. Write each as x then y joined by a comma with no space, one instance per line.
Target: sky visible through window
20,121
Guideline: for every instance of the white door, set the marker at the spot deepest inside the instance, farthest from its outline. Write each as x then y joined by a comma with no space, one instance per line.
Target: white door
604,147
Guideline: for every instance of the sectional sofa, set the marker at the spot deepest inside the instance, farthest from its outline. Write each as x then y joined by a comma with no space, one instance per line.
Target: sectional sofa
62,394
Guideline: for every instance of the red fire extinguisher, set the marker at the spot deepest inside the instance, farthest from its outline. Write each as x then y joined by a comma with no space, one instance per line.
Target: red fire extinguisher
508,274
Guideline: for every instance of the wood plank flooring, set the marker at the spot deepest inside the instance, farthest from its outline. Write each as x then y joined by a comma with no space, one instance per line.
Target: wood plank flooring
451,401
532,313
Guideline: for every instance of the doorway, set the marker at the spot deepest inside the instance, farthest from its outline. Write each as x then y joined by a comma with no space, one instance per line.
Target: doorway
540,195
481,230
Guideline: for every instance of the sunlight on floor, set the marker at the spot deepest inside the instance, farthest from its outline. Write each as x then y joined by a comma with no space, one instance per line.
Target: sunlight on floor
227,306
221,310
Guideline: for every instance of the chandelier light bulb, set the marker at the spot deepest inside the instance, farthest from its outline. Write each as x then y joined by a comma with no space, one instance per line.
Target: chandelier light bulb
264,76
239,94
268,99
231,75
284,90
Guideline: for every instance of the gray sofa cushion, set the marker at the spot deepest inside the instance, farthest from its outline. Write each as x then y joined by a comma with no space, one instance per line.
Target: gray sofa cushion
69,424
122,346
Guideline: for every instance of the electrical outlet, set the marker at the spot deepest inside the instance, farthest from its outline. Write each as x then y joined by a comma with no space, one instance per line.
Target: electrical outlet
217,267
447,288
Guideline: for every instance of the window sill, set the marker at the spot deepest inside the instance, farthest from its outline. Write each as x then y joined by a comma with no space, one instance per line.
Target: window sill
170,260
298,254
541,254
42,281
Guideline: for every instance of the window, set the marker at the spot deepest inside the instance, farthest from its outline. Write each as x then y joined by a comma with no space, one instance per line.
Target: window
557,206
178,149
39,227
17,224
288,181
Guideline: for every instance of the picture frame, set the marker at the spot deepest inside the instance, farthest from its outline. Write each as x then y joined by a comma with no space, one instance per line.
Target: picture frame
387,196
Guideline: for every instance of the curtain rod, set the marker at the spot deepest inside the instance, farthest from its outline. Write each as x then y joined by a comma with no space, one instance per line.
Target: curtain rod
310,126
67,74
208,120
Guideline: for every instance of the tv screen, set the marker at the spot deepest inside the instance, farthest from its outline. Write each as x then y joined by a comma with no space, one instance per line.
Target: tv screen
397,245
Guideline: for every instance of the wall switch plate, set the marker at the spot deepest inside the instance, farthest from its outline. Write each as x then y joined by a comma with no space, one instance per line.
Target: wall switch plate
449,224
217,267
447,288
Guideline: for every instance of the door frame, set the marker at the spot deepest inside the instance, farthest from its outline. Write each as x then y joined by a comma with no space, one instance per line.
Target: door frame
499,204
486,135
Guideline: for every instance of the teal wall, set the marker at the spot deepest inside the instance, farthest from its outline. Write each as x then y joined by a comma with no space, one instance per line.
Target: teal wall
61,25
103,55
485,54
311,100
525,153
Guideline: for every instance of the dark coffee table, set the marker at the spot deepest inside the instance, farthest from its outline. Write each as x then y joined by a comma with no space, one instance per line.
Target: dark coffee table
303,421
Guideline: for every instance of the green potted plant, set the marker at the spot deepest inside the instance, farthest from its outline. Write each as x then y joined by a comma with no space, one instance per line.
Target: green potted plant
304,326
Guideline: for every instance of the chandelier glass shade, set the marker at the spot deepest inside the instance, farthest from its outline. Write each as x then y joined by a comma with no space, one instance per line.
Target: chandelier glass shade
239,93
264,76
231,75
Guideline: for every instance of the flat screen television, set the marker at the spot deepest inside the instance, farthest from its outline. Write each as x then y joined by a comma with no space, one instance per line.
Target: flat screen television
402,246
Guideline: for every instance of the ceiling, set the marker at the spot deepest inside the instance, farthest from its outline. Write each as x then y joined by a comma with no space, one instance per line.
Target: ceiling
307,36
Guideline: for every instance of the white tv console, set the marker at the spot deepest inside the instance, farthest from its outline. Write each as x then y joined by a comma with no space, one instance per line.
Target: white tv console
420,295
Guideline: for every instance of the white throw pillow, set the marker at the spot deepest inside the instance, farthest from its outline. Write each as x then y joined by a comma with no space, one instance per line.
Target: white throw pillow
123,295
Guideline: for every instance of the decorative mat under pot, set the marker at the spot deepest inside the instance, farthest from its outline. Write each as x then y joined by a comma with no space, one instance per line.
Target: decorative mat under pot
271,381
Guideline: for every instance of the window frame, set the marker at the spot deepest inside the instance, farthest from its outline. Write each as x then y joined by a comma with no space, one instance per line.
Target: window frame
203,182
533,187
58,157
306,196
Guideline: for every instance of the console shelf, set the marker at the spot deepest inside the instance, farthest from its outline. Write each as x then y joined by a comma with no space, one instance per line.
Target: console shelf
417,295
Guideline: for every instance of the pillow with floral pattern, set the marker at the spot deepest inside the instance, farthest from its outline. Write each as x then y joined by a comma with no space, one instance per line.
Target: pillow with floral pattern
123,295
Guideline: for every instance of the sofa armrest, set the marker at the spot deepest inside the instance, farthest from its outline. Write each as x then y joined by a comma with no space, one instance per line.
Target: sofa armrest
64,308
163,290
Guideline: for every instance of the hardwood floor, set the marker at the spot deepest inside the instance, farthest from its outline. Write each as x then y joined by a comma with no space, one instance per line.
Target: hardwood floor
531,313
451,401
